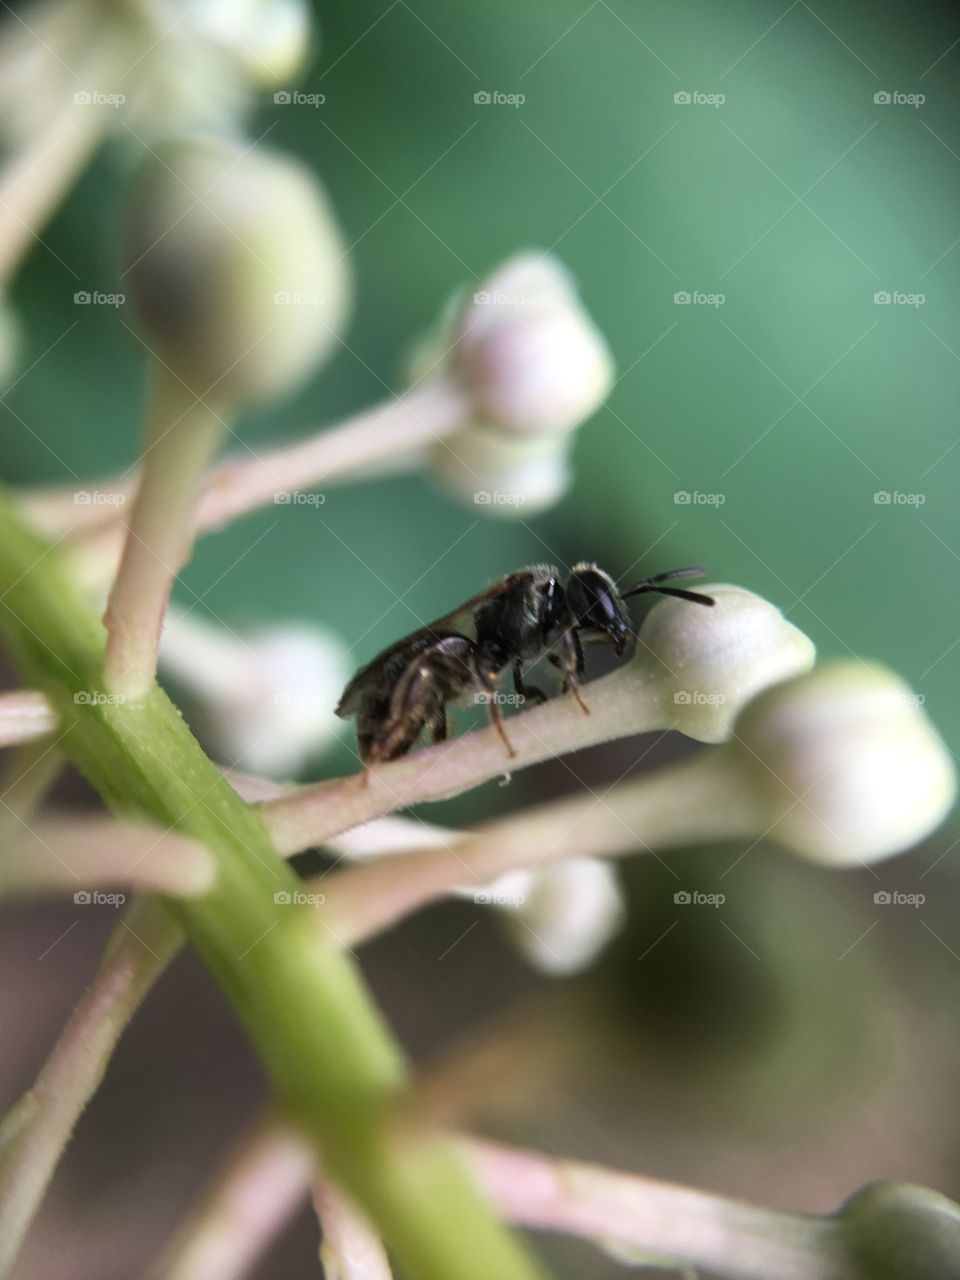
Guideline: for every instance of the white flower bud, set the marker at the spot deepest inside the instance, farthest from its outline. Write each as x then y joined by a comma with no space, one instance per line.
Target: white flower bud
846,764
236,268
530,355
711,661
267,38
511,477
267,698
570,913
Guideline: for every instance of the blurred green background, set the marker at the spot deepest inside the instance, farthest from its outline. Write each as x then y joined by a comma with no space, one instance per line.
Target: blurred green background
795,402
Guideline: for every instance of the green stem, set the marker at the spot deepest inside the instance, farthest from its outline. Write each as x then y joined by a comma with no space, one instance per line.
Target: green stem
183,434
336,1073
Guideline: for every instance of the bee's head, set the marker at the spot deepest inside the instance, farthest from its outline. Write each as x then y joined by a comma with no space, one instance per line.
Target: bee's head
596,604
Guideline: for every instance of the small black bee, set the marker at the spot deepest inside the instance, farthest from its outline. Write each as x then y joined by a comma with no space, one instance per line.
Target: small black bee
405,690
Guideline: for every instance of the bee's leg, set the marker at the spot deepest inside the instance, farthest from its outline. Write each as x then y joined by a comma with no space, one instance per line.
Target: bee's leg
439,727
568,656
489,686
526,690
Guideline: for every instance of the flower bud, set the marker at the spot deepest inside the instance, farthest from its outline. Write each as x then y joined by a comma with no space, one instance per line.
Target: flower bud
510,477
711,662
267,700
571,912
267,39
897,1231
846,764
236,268
530,355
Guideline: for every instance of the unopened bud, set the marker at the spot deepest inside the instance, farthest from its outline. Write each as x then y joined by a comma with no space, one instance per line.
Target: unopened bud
897,1231
709,662
571,911
508,476
236,268
846,765
527,350
267,698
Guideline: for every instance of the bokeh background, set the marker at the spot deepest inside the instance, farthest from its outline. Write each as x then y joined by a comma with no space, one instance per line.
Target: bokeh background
800,1040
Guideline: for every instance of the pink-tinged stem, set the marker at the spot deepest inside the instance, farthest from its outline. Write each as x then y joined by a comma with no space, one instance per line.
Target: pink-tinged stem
633,1215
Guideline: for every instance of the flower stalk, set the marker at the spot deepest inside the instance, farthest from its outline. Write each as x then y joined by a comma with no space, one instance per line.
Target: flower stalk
336,1074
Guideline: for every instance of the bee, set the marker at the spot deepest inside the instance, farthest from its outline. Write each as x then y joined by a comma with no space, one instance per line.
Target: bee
406,689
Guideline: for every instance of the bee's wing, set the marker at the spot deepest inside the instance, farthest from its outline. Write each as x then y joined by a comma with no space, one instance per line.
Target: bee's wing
352,694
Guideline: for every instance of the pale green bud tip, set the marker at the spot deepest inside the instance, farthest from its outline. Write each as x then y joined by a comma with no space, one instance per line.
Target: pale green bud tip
236,267
266,699
511,477
897,1231
567,915
848,763
714,660
267,38
528,352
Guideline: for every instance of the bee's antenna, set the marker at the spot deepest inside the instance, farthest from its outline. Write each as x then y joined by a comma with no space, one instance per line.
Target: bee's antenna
653,584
